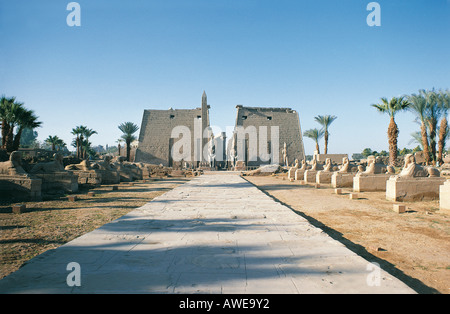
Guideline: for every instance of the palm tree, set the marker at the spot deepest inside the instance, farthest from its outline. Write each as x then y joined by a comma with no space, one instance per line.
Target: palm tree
54,141
128,129
77,131
10,112
82,132
444,103
316,135
13,114
86,145
325,122
392,107
5,116
26,119
416,138
434,112
418,105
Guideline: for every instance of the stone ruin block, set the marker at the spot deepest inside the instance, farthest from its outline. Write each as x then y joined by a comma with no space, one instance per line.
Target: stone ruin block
310,176
109,176
414,182
89,177
324,177
413,189
20,188
342,180
370,183
299,174
66,181
444,197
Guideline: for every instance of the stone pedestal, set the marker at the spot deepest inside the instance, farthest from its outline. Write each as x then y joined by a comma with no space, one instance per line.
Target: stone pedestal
89,177
310,176
53,181
109,176
370,183
413,189
324,177
20,188
444,197
342,180
291,173
299,174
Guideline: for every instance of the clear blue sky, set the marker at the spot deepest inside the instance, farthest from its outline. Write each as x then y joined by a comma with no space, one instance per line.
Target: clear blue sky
318,57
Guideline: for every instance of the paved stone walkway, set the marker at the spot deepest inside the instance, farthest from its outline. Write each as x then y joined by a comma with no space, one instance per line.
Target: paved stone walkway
214,234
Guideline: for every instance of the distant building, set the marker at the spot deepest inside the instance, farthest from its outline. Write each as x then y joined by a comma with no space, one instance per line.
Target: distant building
259,137
156,140
274,127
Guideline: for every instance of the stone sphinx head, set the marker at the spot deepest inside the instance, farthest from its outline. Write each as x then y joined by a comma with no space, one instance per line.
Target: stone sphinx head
13,166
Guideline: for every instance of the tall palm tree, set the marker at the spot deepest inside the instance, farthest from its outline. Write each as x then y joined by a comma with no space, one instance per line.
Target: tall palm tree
444,103
14,114
392,107
128,129
26,119
325,122
79,132
10,112
434,112
316,135
86,145
416,138
5,116
418,105
54,141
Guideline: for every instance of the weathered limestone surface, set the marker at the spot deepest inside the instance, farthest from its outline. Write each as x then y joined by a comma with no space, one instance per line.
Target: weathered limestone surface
54,176
20,188
413,189
414,182
16,183
310,176
324,177
444,197
54,181
370,183
89,177
342,180
214,234
299,174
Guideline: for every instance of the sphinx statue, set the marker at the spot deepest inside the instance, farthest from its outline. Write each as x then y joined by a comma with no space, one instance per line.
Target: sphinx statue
104,164
13,167
48,167
413,170
304,165
347,167
328,165
316,166
54,177
85,165
291,172
375,166
414,182
17,184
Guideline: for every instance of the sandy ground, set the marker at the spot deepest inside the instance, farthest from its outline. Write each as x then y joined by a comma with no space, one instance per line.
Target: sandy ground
51,223
413,246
